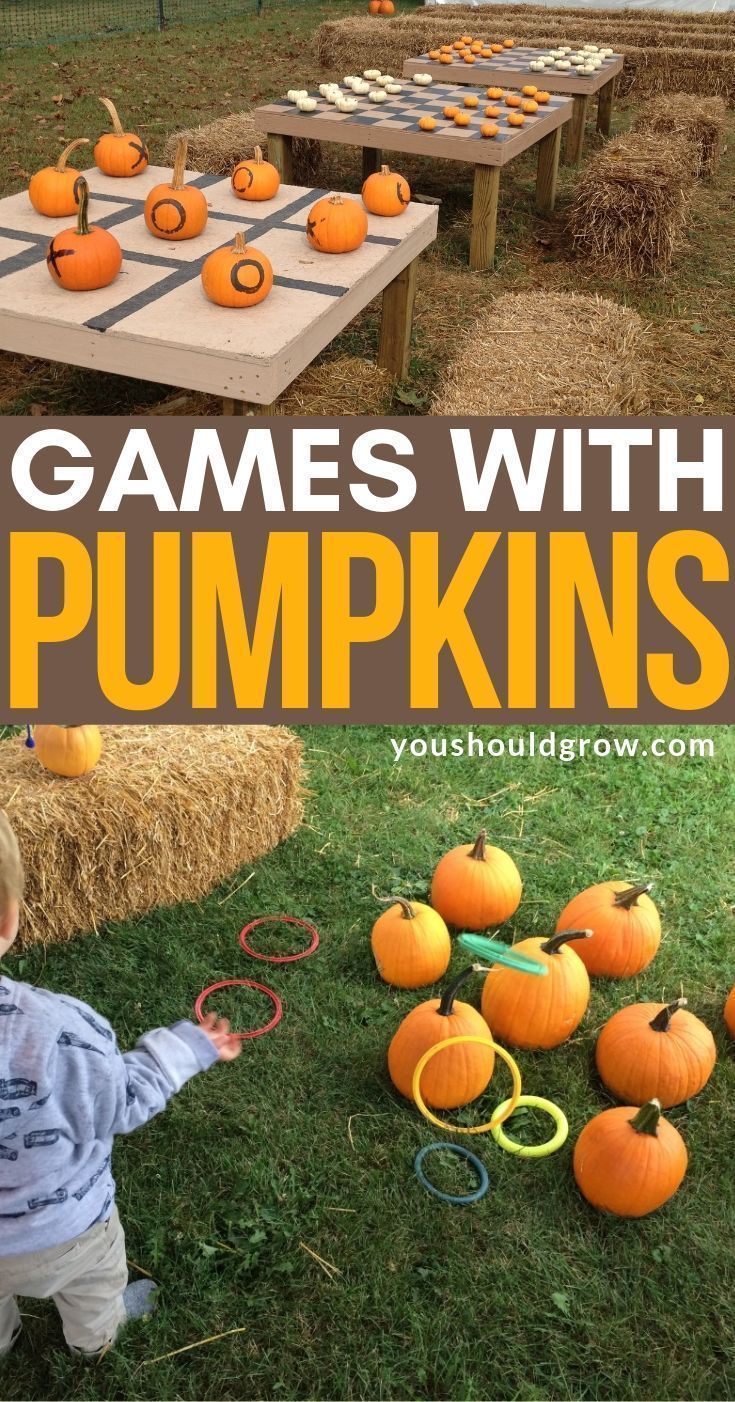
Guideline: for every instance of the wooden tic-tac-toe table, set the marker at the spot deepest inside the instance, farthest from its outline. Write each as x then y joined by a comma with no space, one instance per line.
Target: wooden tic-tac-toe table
154,321
393,126
511,69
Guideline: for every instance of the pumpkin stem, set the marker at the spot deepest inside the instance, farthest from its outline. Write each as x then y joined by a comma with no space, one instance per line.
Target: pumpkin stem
408,911
177,179
647,1118
258,156
662,1021
336,199
83,195
626,899
385,170
239,246
29,742
63,158
556,942
116,123
478,851
446,1007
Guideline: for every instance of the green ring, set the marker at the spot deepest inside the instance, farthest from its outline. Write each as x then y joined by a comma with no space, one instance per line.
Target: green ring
533,1151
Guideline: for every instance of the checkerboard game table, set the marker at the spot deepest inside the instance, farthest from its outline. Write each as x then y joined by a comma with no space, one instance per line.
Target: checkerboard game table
511,69
154,321
393,126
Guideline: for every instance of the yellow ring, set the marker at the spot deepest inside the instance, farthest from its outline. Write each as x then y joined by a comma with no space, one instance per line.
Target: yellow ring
507,1107
534,1151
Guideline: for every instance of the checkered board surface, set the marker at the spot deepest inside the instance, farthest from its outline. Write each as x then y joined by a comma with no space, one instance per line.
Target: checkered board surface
154,321
512,69
393,125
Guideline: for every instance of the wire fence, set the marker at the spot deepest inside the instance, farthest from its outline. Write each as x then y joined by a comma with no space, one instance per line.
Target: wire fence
51,21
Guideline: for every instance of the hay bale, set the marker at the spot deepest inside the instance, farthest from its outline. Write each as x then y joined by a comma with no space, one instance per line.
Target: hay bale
169,812
699,122
549,353
347,385
215,147
629,211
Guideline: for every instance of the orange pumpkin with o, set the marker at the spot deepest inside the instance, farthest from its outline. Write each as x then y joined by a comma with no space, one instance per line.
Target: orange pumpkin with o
176,211
237,275
256,179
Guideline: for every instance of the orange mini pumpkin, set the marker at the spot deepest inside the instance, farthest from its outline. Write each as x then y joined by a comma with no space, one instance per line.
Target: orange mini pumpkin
496,48
466,38
68,750
476,48
435,54
236,275
468,58
625,924
489,129
493,112
53,190
411,944
509,43
729,1012
472,100
450,113
446,49
513,100
486,53
120,153
529,91
538,1013
176,211
385,192
255,179
336,225
83,258
445,58
458,44
462,119
426,124
516,119
475,885
542,97
529,107
629,1161
496,94
460,1074
655,1049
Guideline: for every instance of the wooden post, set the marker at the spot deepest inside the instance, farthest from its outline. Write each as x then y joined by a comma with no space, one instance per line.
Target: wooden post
280,154
394,354
575,130
547,171
484,217
605,108
240,408
371,161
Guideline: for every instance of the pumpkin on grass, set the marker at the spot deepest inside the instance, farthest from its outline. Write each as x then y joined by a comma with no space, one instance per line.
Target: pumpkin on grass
237,276
53,190
629,1161
730,1012
538,1013
475,886
256,179
176,211
68,750
410,944
386,193
655,1049
457,1076
119,153
625,924
336,225
84,258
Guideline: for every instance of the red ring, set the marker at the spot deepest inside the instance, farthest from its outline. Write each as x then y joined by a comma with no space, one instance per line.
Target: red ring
247,983
279,920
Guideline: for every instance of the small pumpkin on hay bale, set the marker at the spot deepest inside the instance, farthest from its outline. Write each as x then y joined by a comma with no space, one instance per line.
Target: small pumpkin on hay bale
699,121
169,812
590,362
216,147
629,211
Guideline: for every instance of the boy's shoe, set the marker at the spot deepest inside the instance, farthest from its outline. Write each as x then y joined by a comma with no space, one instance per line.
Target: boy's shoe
139,1298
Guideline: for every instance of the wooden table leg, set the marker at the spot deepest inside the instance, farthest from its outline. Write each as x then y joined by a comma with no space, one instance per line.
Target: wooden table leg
575,130
484,217
394,354
280,154
605,108
547,171
371,161
240,408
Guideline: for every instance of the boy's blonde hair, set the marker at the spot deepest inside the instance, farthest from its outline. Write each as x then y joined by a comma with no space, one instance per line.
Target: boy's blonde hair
11,866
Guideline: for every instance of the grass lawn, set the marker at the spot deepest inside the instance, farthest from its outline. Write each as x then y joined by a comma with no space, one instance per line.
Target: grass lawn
303,1141
191,74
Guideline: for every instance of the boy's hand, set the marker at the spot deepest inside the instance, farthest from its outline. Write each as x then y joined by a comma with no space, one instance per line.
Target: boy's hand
226,1044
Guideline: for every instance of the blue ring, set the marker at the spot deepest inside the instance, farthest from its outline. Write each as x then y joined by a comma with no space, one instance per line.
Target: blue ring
461,1153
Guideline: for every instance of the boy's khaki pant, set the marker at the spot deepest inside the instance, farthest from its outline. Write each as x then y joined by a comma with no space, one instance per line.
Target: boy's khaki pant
84,1277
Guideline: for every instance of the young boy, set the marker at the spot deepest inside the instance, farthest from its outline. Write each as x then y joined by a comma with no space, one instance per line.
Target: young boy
65,1092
